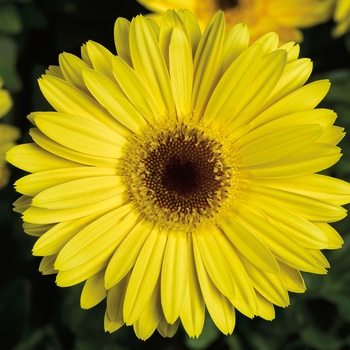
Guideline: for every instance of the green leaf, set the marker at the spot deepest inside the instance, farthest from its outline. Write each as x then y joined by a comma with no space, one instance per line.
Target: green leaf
10,19
8,60
14,309
319,339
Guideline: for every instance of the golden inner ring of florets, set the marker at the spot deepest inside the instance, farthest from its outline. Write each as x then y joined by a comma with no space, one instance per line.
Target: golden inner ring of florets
179,176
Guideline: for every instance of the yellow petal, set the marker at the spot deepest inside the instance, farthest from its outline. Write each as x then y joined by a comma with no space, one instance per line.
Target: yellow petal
135,90
36,215
32,184
259,147
232,86
93,292
265,308
192,28
144,276
71,67
206,72
249,244
301,163
46,266
174,276
335,240
267,284
110,96
115,300
149,63
245,297
101,237
170,21
70,154
66,98
306,97
100,58
81,135
193,309
220,308
236,42
181,71
283,247
150,317
32,158
308,207
292,279
167,330
127,252
81,273
121,39
215,264
57,236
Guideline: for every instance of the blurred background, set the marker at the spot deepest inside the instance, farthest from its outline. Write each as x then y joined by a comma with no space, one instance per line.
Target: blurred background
35,313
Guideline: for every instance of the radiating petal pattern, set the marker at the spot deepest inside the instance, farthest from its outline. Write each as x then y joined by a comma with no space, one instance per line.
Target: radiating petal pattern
180,175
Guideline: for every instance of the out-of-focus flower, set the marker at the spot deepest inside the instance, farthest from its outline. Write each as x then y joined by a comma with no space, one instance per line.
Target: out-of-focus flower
286,18
180,175
341,18
8,134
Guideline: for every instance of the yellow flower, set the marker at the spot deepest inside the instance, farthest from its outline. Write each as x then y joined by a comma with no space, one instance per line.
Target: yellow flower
341,17
8,134
262,16
179,175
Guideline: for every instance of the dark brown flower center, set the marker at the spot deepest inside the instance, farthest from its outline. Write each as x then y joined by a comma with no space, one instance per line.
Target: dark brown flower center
227,4
181,175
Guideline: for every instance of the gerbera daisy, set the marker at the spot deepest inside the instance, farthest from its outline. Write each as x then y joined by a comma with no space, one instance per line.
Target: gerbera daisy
262,16
8,134
179,175
341,17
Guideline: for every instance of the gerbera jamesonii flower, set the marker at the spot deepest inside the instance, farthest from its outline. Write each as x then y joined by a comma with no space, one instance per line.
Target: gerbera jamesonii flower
8,134
286,18
180,175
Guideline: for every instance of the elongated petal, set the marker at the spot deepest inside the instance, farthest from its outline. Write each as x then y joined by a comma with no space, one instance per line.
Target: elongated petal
66,98
111,97
181,71
121,39
32,184
127,252
220,308
30,157
144,277
149,63
250,245
115,300
245,297
174,276
206,74
232,86
193,309
135,89
96,238
214,261
149,319
93,291
72,67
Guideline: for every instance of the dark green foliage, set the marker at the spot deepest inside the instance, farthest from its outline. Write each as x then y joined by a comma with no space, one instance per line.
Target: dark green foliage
37,315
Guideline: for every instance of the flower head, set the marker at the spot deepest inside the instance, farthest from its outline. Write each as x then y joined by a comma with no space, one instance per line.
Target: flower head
8,134
341,17
179,175
286,18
